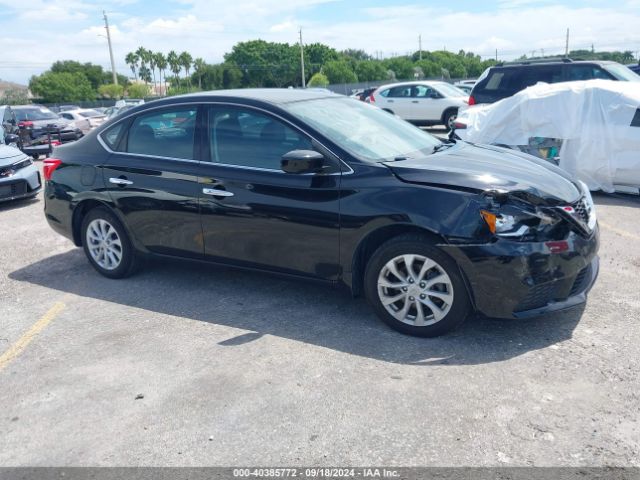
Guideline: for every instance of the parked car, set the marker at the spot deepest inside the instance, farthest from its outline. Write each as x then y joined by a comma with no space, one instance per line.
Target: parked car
85,118
36,126
591,129
635,68
421,103
465,87
362,95
506,79
328,188
19,177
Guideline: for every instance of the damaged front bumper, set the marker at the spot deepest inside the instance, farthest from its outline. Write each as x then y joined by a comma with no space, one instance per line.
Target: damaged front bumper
510,279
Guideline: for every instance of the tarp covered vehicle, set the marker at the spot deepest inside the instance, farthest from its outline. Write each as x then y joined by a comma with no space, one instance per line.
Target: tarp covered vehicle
594,126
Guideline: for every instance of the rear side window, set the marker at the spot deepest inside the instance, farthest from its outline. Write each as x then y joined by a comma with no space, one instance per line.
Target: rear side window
112,135
164,133
399,92
635,122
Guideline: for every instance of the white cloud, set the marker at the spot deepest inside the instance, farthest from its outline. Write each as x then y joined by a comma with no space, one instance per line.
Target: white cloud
209,29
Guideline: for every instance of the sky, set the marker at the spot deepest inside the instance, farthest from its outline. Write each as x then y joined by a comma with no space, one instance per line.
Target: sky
35,34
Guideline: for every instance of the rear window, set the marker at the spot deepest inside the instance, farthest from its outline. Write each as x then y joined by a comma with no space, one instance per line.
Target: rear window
635,122
112,135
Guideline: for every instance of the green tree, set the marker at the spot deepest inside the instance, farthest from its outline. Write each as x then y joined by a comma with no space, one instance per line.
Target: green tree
186,60
318,80
54,87
111,90
357,55
15,96
174,65
161,63
339,71
316,55
93,73
370,70
266,64
132,60
138,90
402,67
198,70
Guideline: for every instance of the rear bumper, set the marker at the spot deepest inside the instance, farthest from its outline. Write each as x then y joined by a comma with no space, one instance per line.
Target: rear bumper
511,279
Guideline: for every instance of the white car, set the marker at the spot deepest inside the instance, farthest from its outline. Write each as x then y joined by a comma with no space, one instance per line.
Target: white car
422,102
84,118
19,177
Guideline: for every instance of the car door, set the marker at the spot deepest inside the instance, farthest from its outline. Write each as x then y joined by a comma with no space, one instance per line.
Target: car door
152,178
428,104
398,100
256,215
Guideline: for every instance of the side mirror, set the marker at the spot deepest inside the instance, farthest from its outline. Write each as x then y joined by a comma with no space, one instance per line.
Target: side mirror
11,139
302,161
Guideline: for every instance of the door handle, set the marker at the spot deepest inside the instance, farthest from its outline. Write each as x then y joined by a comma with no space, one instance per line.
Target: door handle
389,101
120,181
216,192
415,101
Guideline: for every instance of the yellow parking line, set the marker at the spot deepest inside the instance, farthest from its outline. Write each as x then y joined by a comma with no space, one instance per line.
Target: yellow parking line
17,348
622,233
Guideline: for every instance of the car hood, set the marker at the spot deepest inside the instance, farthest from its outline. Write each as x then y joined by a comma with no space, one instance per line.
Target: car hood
10,155
467,166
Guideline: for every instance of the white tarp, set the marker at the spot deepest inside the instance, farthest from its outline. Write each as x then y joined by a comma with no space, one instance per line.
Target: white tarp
593,118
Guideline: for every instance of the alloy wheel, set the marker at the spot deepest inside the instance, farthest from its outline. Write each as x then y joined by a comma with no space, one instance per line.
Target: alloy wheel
104,244
415,290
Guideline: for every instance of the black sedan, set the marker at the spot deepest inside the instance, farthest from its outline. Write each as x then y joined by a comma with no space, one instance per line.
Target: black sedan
320,186
36,124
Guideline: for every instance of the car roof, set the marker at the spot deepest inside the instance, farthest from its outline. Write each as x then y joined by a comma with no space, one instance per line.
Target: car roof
412,83
526,64
269,95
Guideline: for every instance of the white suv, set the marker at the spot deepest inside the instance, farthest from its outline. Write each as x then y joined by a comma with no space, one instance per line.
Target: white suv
422,103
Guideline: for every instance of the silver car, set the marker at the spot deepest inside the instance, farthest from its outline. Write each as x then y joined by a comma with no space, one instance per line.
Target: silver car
19,177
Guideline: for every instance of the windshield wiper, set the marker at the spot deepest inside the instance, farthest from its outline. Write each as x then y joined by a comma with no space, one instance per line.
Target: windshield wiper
442,146
401,158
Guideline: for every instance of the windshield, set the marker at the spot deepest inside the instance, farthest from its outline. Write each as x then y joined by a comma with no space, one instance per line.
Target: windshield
35,113
363,130
449,90
621,72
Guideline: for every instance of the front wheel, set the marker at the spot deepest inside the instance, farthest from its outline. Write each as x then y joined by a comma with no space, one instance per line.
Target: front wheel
415,288
107,245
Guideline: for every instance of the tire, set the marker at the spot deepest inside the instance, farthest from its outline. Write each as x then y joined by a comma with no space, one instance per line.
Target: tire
449,117
95,224
444,304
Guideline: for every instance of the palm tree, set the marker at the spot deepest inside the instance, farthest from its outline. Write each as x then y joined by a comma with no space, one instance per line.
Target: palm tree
161,63
152,65
132,60
198,67
174,65
185,61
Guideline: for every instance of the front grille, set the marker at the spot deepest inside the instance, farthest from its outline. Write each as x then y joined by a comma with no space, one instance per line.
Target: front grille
538,297
581,281
582,213
8,190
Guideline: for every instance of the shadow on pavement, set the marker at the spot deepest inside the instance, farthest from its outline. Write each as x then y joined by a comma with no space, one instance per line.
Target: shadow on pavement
616,199
15,204
306,312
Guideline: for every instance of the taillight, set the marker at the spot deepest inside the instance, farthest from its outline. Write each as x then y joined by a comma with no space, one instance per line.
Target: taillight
372,99
49,165
459,126
25,124
472,101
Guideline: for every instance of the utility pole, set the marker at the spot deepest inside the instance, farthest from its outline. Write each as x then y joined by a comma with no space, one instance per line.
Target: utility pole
420,46
496,54
566,48
304,83
113,65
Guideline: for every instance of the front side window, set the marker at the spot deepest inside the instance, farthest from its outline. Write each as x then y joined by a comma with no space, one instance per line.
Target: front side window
249,138
164,133
363,130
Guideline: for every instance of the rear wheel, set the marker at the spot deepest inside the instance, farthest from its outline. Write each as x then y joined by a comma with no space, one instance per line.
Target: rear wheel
449,118
416,288
107,245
